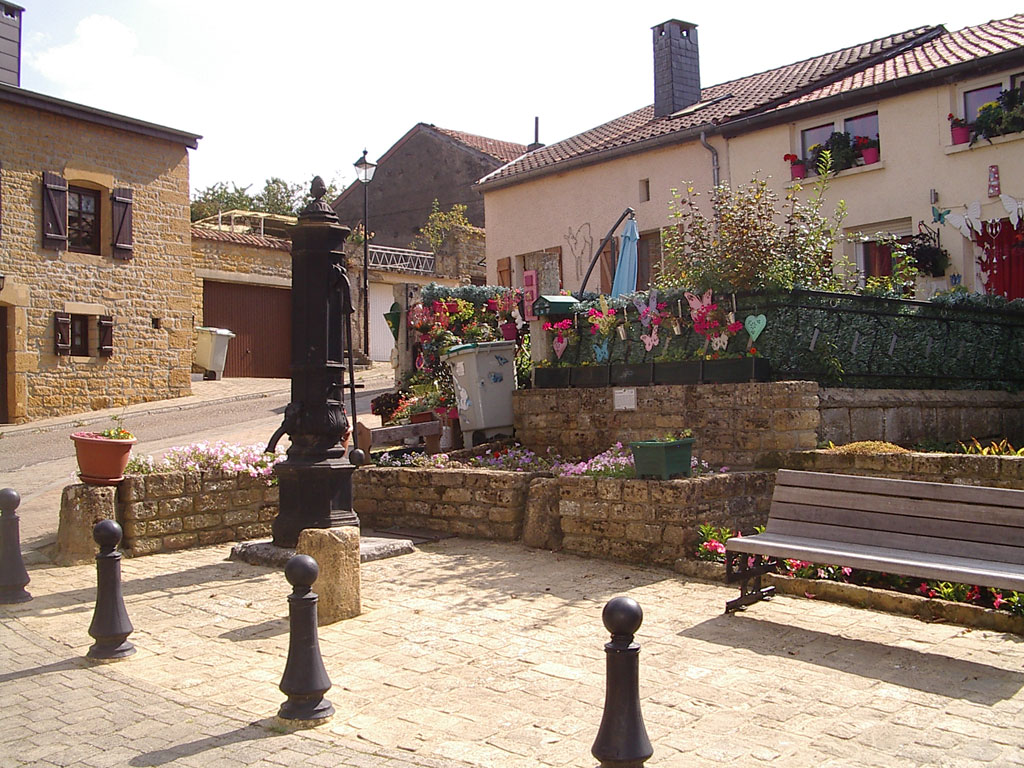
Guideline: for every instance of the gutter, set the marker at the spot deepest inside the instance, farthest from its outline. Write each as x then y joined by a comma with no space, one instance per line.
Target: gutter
714,157
946,75
668,139
13,95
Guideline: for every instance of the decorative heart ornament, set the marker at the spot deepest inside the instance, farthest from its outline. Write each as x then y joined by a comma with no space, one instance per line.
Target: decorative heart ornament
560,344
754,325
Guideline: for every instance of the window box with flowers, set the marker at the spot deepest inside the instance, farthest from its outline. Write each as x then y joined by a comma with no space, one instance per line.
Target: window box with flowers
736,369
592,375
550,375
959,129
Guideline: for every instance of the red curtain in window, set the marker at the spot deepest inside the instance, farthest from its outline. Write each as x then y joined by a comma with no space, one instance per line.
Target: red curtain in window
1003,262
877,259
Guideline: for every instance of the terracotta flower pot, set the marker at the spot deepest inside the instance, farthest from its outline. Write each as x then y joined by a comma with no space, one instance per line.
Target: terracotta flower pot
798,171
960,134
101,460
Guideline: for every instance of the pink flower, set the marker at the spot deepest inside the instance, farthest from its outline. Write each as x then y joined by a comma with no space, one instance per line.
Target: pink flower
711,545
997,599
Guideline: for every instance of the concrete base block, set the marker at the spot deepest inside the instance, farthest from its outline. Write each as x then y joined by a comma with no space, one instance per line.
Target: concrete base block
81,507
336,551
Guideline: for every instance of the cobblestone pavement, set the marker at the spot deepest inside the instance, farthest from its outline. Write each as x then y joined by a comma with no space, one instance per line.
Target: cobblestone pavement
491,654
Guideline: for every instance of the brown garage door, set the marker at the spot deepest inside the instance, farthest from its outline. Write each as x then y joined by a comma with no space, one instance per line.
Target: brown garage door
260,318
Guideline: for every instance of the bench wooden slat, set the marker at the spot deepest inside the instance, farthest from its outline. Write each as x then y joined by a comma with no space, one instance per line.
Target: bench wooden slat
932,545
888,560
968,494
429,430
925,508
911,524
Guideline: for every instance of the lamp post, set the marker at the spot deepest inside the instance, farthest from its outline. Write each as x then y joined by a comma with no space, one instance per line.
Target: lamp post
364,172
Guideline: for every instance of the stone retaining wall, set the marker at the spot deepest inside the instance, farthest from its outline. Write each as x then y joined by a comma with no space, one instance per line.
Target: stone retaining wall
653,521
906,417
735,424
174,510
965,469
482,503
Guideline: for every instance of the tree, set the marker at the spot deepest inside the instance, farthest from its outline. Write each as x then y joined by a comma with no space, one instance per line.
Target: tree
439,224
217,197
278,196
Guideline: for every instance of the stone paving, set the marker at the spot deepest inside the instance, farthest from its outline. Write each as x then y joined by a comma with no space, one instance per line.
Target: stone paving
490,654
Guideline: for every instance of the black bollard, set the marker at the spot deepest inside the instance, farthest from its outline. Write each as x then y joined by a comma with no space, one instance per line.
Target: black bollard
13,576
305,680
622,738
110,624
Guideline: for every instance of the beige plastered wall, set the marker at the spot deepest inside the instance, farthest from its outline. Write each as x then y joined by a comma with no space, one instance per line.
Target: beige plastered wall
917,156
575,209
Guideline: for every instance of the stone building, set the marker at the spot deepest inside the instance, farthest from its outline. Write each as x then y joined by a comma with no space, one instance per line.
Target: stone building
95,265
427,163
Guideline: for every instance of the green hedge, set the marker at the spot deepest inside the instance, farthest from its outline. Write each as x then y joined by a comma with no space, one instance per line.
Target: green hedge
961,342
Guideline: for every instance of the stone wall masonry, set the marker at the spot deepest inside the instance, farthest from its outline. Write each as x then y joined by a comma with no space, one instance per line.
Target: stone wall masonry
148,362
176,510
734,424
480,503
906,417
964,469
654,521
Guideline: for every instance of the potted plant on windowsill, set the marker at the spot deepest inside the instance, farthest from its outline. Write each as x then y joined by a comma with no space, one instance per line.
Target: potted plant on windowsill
664,458
797,166
867,148
959,129
102,456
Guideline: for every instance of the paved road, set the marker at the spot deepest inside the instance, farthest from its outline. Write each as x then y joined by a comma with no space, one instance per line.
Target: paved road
39,461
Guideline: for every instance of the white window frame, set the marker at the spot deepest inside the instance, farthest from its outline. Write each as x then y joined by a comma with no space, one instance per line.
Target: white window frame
1004,80
838,121
895,227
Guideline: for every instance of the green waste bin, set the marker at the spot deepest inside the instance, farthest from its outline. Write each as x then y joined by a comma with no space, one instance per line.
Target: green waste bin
485,377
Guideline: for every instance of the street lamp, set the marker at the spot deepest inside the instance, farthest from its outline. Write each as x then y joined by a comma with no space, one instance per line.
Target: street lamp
364,172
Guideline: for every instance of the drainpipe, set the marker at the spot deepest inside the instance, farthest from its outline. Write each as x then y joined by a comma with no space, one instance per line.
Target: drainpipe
714,158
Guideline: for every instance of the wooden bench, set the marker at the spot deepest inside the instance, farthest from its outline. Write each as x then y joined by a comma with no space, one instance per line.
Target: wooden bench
960,533
430,431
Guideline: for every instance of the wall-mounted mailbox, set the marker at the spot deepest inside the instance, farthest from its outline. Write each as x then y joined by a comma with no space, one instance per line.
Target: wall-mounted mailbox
554,305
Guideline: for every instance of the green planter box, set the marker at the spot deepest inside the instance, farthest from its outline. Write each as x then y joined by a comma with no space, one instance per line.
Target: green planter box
631,374
552,378
736,370
589,376
679,372
662,458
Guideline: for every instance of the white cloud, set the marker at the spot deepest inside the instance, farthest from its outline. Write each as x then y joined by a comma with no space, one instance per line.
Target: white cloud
103,67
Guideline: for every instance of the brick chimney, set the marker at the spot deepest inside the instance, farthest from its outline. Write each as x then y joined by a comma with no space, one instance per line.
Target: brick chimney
10,43
676,67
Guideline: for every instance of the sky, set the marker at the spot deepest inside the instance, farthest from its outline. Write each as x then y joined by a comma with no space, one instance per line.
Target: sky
294,89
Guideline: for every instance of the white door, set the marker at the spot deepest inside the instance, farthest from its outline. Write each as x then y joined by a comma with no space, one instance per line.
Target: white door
381,339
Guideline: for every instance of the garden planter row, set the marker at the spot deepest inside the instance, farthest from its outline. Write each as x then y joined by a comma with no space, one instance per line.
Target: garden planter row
642,374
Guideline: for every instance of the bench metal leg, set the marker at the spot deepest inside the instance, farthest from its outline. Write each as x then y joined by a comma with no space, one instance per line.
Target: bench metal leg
746,568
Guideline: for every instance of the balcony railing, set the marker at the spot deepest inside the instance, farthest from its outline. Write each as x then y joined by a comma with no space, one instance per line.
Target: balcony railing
401,259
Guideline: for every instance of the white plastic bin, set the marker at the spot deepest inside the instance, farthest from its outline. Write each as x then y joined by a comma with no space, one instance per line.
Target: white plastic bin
485,377
212,350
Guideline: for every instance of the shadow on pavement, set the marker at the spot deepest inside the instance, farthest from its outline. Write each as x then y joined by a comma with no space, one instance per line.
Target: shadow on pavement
260,729
265,629
904,667
58,666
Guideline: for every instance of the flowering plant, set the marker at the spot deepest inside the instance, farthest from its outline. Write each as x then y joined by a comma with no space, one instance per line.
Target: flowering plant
563,329
505,302
117,432
792,159
956,122
251,460
860,143
602,321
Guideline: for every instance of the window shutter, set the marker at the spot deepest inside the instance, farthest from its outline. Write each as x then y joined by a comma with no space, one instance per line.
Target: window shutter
121,212
505,271
1,201
105,343
62,333
55,211
529,292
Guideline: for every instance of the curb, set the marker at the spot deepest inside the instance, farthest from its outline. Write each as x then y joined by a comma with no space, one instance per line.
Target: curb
160,406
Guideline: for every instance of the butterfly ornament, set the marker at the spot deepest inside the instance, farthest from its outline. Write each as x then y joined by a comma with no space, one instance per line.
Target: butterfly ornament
698,303
966,222
646,310
650,340
1014,207
601,350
